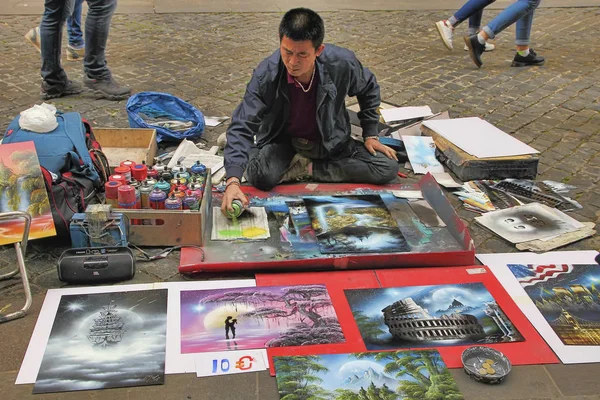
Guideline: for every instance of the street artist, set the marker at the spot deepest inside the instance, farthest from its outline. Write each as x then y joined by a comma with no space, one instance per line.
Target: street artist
295,107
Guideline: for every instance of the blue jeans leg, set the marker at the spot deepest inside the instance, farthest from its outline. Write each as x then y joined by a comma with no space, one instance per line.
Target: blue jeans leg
74,26
97,26
472,8
512,14
53,20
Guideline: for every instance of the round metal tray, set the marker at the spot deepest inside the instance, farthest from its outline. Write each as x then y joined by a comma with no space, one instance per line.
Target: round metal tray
485,364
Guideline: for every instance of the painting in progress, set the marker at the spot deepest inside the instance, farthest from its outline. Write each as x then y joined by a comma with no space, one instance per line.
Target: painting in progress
567,297
429,316
396,375
257,317
251,225
22,189
354,224
106,340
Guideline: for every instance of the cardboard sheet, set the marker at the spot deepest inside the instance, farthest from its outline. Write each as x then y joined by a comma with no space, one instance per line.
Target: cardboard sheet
479,138
552,267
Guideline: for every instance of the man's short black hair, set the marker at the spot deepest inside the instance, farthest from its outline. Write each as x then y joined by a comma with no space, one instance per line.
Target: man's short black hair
301,24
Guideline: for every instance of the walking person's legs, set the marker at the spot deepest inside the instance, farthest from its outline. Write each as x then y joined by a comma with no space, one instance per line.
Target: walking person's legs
75,48
472,9
97,76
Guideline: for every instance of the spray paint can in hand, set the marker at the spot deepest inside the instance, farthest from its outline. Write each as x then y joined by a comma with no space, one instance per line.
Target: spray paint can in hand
238,209
173,203
157,199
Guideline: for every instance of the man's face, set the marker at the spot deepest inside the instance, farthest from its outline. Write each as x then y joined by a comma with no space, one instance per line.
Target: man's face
299,57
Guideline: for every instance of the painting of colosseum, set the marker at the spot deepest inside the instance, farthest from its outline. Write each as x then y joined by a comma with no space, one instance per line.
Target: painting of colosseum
429,316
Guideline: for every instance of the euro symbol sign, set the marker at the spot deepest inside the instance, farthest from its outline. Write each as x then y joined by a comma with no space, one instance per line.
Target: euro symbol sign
241,363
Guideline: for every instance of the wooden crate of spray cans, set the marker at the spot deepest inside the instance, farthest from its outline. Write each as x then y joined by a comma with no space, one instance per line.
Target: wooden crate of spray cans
154,198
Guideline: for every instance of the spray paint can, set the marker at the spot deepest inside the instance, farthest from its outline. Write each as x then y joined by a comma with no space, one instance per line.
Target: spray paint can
125,171
159,166
173,203
238,209
166,175
134,183
126,196
145,191
196,184
157,199
139,171
178,193
197,193
152,174
128,163
118,178
175,182
199,169
178,168
151,181
190,202
162,185
182,175
111,191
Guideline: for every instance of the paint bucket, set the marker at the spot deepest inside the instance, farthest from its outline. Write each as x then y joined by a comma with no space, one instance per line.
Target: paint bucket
139,171
118,178
125,171
111,191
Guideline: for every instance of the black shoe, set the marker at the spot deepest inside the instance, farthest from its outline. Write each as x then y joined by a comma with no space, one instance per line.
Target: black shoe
531,59
107,88
59,90
476,49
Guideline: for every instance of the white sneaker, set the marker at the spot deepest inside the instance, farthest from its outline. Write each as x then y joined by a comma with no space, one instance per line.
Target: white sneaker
488,47
446,34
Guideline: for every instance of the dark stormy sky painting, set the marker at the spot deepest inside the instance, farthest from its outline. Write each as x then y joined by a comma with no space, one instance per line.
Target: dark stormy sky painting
106,340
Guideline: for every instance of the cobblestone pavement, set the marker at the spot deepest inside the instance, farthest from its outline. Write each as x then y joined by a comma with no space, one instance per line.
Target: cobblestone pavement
207,59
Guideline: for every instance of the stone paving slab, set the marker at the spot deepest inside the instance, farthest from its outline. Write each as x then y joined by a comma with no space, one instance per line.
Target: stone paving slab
207,59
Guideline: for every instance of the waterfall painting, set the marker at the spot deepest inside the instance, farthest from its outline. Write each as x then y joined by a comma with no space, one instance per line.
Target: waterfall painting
22,189
257,317
106,340
354,224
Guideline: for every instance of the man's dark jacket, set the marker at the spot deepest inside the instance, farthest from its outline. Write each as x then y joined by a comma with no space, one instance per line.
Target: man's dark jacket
265,108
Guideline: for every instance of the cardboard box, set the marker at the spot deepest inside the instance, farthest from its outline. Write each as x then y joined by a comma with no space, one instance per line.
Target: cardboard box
468,167
119,144
178,228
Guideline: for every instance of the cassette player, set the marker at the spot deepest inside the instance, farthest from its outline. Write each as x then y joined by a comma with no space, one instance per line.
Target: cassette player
96,265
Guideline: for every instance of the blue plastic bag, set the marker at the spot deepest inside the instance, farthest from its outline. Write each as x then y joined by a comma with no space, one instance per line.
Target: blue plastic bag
173,118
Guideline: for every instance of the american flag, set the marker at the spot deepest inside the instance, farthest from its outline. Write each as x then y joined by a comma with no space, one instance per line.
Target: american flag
529,275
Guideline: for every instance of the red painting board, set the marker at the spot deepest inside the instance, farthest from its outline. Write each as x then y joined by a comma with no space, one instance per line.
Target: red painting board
335,282
194,260
533,350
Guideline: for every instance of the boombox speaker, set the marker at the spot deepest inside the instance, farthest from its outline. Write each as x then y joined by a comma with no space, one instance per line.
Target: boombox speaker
96,265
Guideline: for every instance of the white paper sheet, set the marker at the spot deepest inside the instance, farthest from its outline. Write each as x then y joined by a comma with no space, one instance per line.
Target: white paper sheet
421,153
252,225
408,194
446,180
533,221
497,263
176,362
479,138
214,121
391,115
189,153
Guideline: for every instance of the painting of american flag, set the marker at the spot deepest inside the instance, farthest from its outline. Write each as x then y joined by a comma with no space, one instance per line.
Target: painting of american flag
568,297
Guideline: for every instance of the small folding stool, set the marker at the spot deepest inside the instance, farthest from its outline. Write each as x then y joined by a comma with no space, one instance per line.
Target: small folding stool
20,249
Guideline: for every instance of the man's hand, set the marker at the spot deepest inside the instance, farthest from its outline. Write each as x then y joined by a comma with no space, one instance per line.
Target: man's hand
232,192
373,145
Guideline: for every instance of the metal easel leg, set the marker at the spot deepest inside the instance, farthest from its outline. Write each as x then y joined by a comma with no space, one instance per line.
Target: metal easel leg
20,249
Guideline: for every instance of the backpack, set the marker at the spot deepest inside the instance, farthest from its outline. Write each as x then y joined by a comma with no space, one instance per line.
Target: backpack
73,165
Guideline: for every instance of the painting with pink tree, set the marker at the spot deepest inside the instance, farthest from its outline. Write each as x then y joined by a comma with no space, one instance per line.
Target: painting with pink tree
257,317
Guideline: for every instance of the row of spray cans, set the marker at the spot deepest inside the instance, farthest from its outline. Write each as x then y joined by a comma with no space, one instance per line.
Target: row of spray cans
135,186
